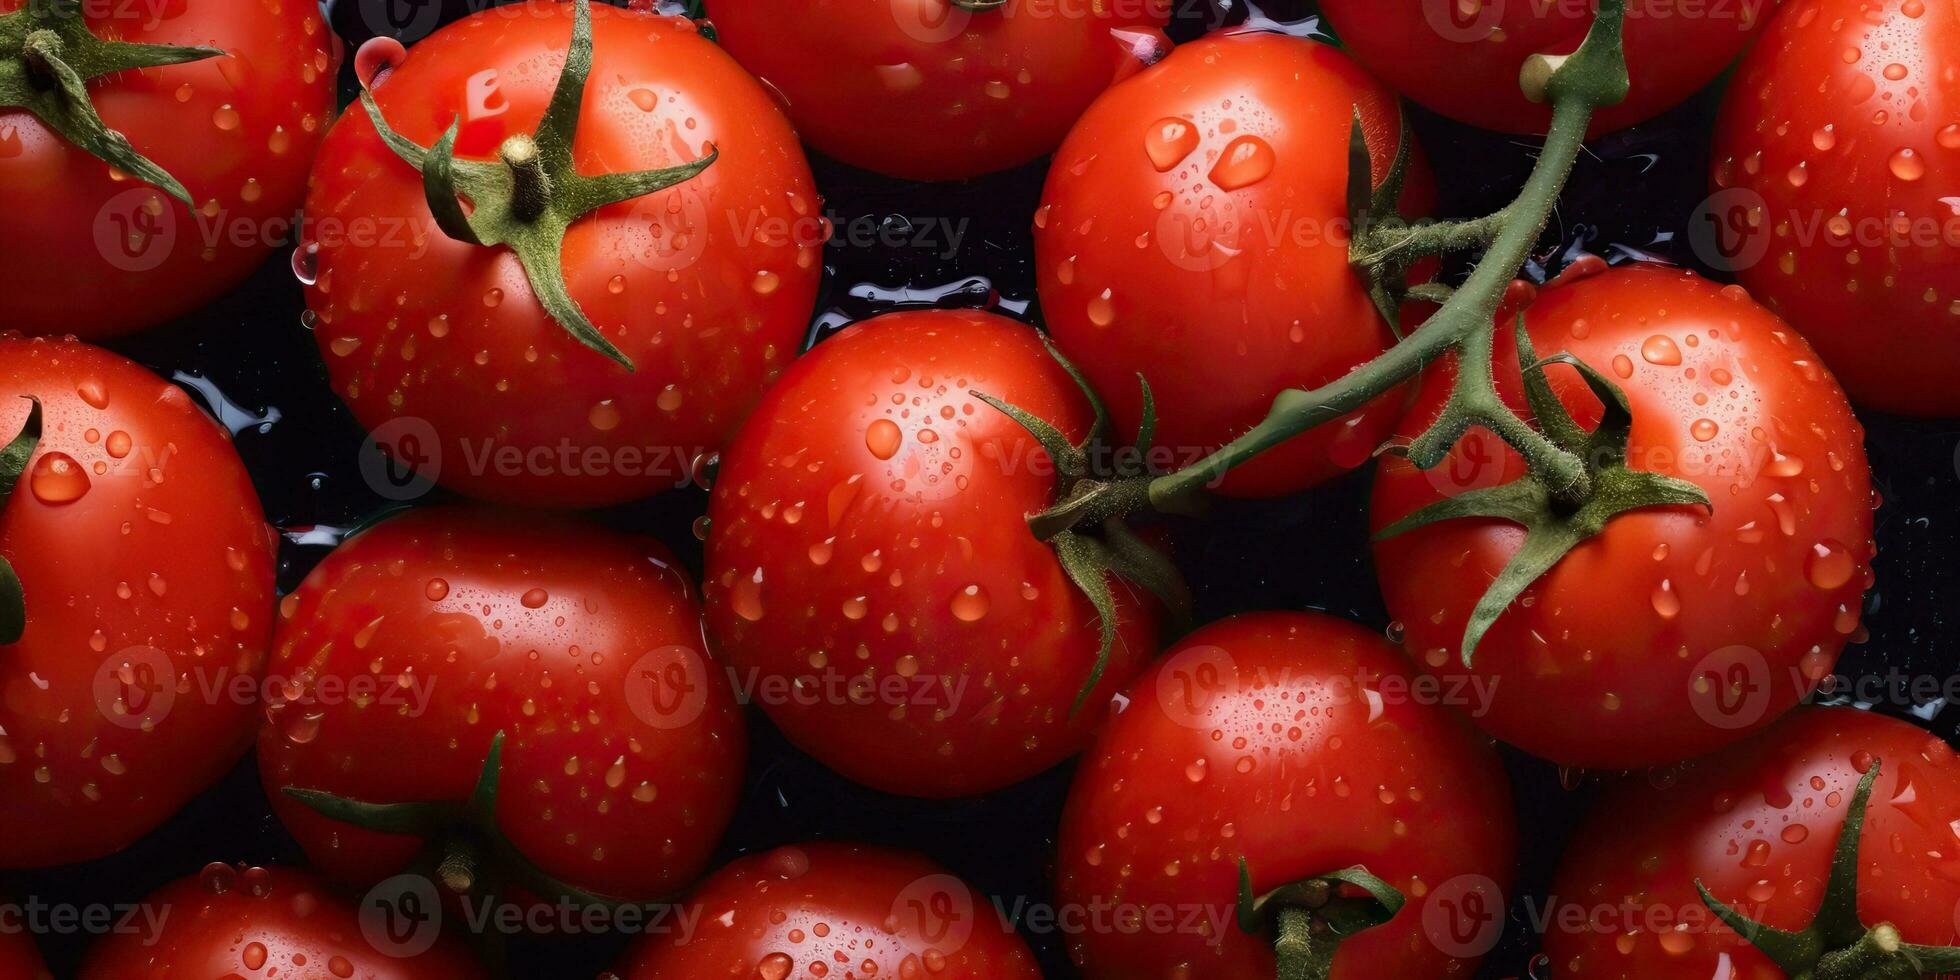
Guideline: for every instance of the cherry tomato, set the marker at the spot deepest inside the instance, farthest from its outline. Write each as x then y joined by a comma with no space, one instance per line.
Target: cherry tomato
1194,230
112,254
19,960
840,909
1832,175
225,922
870,566
706,286
147,567
416,642
1676,630
1757,824
932,90
1464,59
1298,744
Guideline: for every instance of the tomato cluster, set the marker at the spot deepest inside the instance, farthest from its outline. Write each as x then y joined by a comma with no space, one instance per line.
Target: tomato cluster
555,268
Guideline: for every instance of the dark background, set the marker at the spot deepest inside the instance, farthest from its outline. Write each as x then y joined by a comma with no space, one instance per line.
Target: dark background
258,368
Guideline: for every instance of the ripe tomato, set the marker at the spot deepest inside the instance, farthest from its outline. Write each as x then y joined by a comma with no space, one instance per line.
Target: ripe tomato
1674,631
147,567
871,568
19,960
113,254
227,923
706,286
1195,229
957,92
870,912
1463,59
1834,165
1757,824
1296,743
416,642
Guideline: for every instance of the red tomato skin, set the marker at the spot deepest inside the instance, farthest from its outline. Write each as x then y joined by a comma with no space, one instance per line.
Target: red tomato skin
1817,159
536,628
955,93
238,131
1469,71
159,576
916,565
835,903
1166,805
707,286
19,960
1611,660
285,920
1757,823
1196,276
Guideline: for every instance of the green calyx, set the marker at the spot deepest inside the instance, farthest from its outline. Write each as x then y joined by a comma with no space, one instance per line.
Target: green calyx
1837,945
13,465
1092,551
531,195
1309,919
1578,480
48,56
979,6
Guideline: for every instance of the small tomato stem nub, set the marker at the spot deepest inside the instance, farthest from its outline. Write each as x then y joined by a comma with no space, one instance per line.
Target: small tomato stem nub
531,190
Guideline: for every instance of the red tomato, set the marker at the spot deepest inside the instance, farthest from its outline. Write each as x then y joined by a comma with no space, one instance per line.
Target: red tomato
1675,631
1195,229
227,923
417,641
951,92
148,571
871,570
859,911
1833,175
1463,59
1757,824
706,286
19,960
114,255
1296,743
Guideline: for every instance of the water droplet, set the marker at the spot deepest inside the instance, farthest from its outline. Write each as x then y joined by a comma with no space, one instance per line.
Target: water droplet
226,118
775,966
437,590
604,416
1704,429
883,438
1661,350
1102,308
747,597
1168,142
306,263
1246,161
1830,564
58,479
971,604
1666,603
1907,166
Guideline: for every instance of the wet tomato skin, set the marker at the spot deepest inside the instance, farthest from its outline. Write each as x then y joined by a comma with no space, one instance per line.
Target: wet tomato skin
147,566
863,911
1676,630
957,93
441,628
19,960
869,547
1833,170
224,922
1757,823
707,286
1194,231
1279,738
113,255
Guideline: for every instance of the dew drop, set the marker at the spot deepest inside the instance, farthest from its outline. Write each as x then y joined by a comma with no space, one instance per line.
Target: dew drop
58,479
1246,161
971,604
883,438
1168,142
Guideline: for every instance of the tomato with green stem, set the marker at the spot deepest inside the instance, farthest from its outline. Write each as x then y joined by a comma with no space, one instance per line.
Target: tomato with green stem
1285,772
1833,829
151,156
638,257
960,87
136,593
1667,632
507,700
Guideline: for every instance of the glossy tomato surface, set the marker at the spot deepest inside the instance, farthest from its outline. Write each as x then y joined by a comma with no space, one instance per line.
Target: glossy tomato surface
416,642
19,960
1676,630
828,909
870,563
110,254
1463,58
1194,231
1835,158
1296,743
270,922
442,349
1757,824
147,567
933,89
